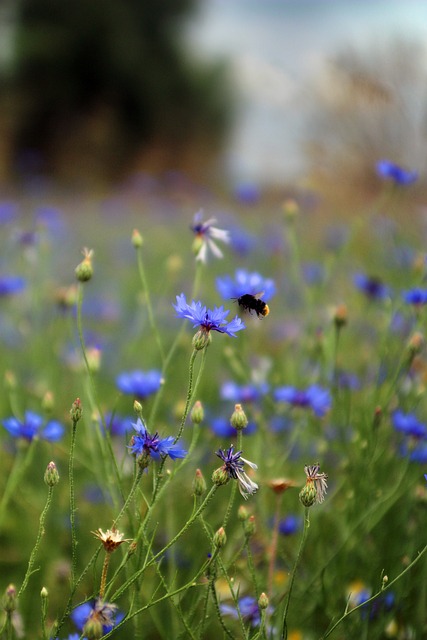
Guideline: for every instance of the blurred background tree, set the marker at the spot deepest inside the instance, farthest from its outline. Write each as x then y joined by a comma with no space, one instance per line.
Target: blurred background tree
99,87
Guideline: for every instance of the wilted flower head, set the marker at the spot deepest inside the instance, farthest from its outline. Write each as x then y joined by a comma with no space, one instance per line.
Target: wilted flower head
317,481
245,282
104,613
111,539
205,234
395,173
145,446
33,425
207,319
233,467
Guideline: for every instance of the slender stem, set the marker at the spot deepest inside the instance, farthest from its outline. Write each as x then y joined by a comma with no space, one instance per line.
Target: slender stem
189,394
151,318
20,465
284,634
273,545
37,543
73,506
104,574
129,497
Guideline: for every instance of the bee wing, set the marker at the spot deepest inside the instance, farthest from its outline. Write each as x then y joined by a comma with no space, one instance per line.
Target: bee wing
259,295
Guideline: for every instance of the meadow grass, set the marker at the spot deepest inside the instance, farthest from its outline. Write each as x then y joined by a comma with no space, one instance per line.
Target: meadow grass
151,523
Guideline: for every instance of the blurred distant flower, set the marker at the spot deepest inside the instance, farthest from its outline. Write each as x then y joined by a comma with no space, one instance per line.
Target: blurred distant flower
425,476
415,296
245,282
139,383
234,468
10,285
8,211
395,173
247,193
290,525
335,237
230,390
205,234
346,380
408,424
145,446
241,241
206,319
313,273
105,613
223,429
371,286
26,238
417,453
314,397
33,425
249,610
118,425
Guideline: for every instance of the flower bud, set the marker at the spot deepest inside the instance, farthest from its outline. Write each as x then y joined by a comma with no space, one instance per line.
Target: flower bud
76,411
290,209
263,601
84,270
340,316
238,418
137,240
44,593
93,359
201,339
197,413
242,513
93,629
250,526
51,475
137,407
307,495
10,599
220,538
48,401
199,483
220,477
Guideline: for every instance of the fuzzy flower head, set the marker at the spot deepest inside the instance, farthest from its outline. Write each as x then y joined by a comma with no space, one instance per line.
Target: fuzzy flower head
205,236
396,174
33,425
145,446
111,539
233,467
206,319
315,487
245,282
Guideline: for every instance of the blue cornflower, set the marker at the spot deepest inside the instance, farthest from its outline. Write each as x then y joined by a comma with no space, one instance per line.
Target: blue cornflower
395,173
33,425
314,397
289,525
118,425
145,446
249,610
233,467
371,286
408,424
415,296
139,383
243,393
206,319
11,284
205,234
425,476
245,282
107,614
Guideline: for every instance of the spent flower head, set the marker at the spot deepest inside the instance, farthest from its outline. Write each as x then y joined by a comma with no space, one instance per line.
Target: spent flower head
205,236
111,539
206,319
98,614
233,467
315,485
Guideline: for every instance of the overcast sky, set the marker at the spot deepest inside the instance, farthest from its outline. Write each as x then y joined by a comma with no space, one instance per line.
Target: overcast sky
275,47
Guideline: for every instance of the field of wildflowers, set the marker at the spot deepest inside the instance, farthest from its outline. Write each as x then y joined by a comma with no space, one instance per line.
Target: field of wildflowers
175,465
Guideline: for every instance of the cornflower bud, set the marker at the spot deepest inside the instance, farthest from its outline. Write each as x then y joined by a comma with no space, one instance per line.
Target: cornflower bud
137,240
44,593
242,513
197,413
84,270
250,526
220,477
51,475
238,418
76,411
94,359
9,599
307,495
199,483
220,538
290,209
48,401
340,316
263,601
201,339
137,407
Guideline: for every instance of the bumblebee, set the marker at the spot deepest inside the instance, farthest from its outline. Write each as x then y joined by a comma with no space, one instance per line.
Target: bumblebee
250,303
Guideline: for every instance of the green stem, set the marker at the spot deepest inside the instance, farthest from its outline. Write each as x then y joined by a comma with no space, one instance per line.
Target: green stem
73,506
129,497
284,634
37,543
151,318
20,465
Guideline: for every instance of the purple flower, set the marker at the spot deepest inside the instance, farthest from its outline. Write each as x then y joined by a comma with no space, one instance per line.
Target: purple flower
395,173
371,286
248,608
245,282
118,425
206,319
105,613
289,525
242,393
145,446
234,467
139,383
10,285
314,397
416,296
206,234
33,425
408,424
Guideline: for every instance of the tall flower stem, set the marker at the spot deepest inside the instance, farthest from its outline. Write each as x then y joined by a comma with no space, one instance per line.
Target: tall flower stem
104,574
284,633
273,545
38,541
146,289
22,461
73,505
